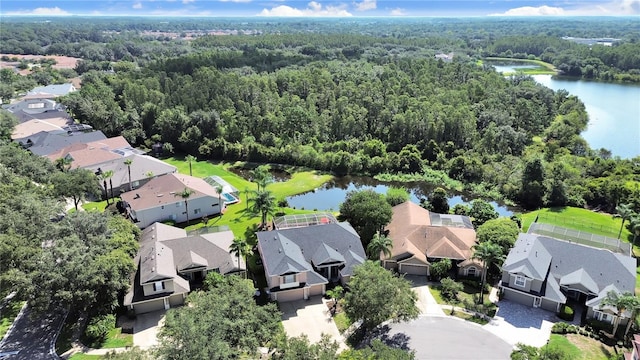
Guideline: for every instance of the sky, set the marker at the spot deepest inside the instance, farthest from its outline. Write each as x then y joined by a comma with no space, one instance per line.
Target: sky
322,8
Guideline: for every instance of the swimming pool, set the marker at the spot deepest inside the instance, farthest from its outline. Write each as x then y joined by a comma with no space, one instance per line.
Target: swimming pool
229,199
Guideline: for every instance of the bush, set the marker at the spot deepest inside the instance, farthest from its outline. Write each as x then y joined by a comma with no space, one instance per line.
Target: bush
566,313
100,326
450,289
564,328
600,325
440,268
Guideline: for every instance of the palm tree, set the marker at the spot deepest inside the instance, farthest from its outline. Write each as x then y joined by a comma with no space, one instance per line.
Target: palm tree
264,203
634,226
261,176
379,244
622,303
239,247
190,159
109,175
185,194
102,176
489,253
625,211
128,162
63,164
219,192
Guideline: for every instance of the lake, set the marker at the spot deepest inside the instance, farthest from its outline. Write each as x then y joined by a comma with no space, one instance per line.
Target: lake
614,110
614,113
332,194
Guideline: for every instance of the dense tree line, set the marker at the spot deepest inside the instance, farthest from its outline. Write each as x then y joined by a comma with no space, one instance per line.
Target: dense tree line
82,260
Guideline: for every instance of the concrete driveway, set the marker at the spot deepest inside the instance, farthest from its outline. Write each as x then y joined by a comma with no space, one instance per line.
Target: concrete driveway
518,323
309,317
443,337
426,302
145,329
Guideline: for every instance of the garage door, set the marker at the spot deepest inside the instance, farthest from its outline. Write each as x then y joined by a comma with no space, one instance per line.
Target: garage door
316,290
414,269
290,295
149,306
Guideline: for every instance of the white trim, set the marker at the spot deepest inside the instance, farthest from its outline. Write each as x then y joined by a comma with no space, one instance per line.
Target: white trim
537,302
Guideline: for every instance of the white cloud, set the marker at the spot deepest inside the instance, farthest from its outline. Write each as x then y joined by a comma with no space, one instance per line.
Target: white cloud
187,1
366,5
612,8
40,11
398,12
313,9
137,5
236,1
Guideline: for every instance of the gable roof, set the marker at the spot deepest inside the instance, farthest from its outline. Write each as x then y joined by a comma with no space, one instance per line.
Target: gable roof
31,127
94,152
419,233
166,189
156,263
528,257
45,143
295,249
141,165
570,264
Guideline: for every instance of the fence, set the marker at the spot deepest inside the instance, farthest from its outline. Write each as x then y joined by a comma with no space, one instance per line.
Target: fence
580,237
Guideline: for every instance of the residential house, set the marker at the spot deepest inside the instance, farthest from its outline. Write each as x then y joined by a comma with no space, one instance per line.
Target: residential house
171,262
421,237
160,199
47,142
38,124
83,155
300,261
55,90
542,271
635,349
143,168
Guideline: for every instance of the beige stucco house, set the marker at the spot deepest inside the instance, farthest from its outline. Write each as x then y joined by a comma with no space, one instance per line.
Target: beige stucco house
421,237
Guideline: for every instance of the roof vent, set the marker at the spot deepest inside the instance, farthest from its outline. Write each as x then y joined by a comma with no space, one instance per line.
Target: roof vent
159,195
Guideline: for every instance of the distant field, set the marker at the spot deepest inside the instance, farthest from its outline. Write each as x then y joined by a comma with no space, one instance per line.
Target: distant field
543,68
578,219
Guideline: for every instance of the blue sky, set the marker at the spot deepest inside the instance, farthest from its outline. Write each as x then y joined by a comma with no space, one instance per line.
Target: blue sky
306,8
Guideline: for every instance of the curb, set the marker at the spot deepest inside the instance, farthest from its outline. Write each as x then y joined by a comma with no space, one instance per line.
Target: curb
18,317
52,350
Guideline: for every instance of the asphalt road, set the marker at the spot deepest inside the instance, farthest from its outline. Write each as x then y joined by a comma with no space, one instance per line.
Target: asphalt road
442,338
33,337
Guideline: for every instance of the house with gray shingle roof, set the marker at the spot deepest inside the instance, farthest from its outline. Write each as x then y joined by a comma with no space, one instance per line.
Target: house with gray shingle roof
170,262
300,261
542,271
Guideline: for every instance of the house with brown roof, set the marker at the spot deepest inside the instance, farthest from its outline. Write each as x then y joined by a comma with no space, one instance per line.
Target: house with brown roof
171,262
421,237
160,199
85,154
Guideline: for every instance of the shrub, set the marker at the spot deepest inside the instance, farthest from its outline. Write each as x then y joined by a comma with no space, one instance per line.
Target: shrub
566,313
100,326
559,328
440,268
450,289
599,325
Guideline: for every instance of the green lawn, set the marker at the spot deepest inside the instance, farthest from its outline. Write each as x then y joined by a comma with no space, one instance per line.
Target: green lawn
116,339
8,315
467,295
578,219
580,347
81,356
342,321
543,67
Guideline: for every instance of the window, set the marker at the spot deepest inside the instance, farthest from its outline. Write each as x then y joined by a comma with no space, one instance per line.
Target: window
35,106
158,286
196,211
602,316
287,279
471,271
520,281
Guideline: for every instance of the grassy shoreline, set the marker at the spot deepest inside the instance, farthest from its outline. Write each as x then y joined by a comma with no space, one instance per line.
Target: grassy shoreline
544,68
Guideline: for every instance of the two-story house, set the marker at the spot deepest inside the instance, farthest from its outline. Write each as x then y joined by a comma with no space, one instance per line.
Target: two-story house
170,262
300,261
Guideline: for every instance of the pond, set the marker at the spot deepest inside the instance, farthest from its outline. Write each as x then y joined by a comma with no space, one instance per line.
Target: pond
332,194
278,175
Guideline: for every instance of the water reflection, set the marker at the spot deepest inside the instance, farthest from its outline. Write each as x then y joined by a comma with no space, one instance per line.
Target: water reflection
332,194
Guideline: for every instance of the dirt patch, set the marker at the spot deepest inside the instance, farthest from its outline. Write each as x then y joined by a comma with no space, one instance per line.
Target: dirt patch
62,62
591,348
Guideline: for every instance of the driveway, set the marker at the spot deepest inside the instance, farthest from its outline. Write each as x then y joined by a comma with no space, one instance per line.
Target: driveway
309,317
33,336
145,329
518,323
443,337
426,303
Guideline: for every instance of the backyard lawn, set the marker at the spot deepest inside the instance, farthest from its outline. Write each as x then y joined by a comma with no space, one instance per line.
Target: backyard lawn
9,314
